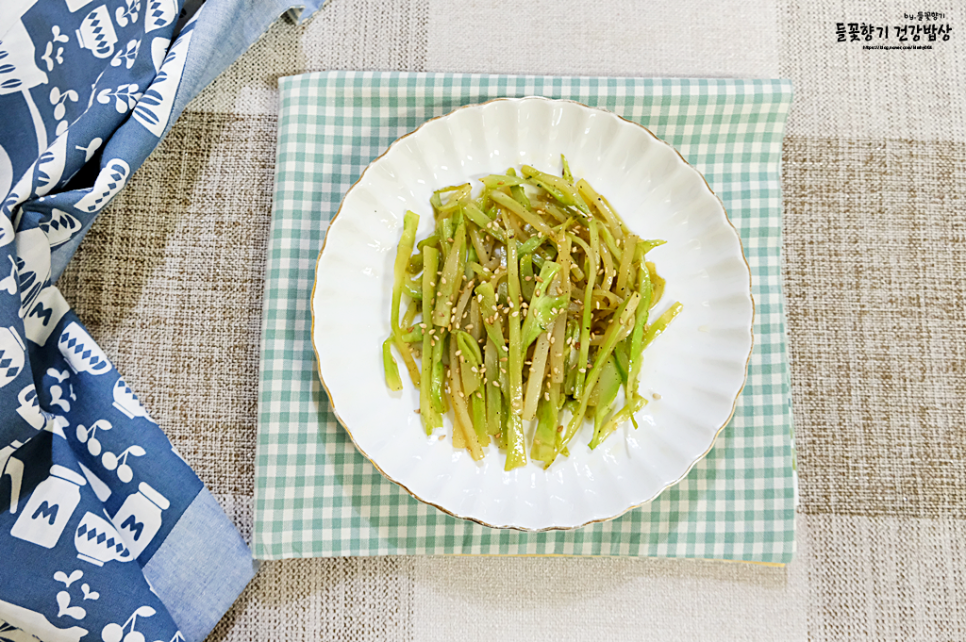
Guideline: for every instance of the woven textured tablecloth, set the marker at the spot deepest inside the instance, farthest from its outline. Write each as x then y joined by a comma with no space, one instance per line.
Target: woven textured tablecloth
316,495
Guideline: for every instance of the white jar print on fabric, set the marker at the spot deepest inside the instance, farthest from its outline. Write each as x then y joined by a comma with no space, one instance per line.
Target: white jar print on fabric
98,542
12,355
49,508
108,183
127,402
44,315
139,518
80,351
29,410
33,266
97,33
60,228
159,14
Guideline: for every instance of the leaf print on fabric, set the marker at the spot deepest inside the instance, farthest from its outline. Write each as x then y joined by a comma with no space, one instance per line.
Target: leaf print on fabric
54,54
66,579
64,607
88,593
154,109
58,98
128,55
51,58
126,97
129,12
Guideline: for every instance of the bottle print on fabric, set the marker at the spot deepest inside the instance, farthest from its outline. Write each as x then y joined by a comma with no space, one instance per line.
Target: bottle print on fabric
139,518
49,508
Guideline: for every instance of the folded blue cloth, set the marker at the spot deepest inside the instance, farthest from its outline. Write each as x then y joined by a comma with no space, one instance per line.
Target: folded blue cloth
105,532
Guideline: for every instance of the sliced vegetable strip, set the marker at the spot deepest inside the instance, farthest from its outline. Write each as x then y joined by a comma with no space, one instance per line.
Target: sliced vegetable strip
528,302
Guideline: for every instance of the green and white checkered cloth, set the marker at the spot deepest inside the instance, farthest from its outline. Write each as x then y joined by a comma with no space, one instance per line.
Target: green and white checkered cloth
315,495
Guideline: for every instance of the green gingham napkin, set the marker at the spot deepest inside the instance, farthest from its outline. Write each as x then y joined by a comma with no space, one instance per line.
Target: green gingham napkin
315,495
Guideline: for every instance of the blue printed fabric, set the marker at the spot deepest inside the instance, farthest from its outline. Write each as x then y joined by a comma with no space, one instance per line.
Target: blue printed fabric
105,532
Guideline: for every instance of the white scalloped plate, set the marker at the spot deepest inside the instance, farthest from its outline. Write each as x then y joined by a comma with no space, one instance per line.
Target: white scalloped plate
692,374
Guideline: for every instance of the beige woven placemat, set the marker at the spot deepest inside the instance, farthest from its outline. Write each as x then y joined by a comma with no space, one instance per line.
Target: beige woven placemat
170,280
